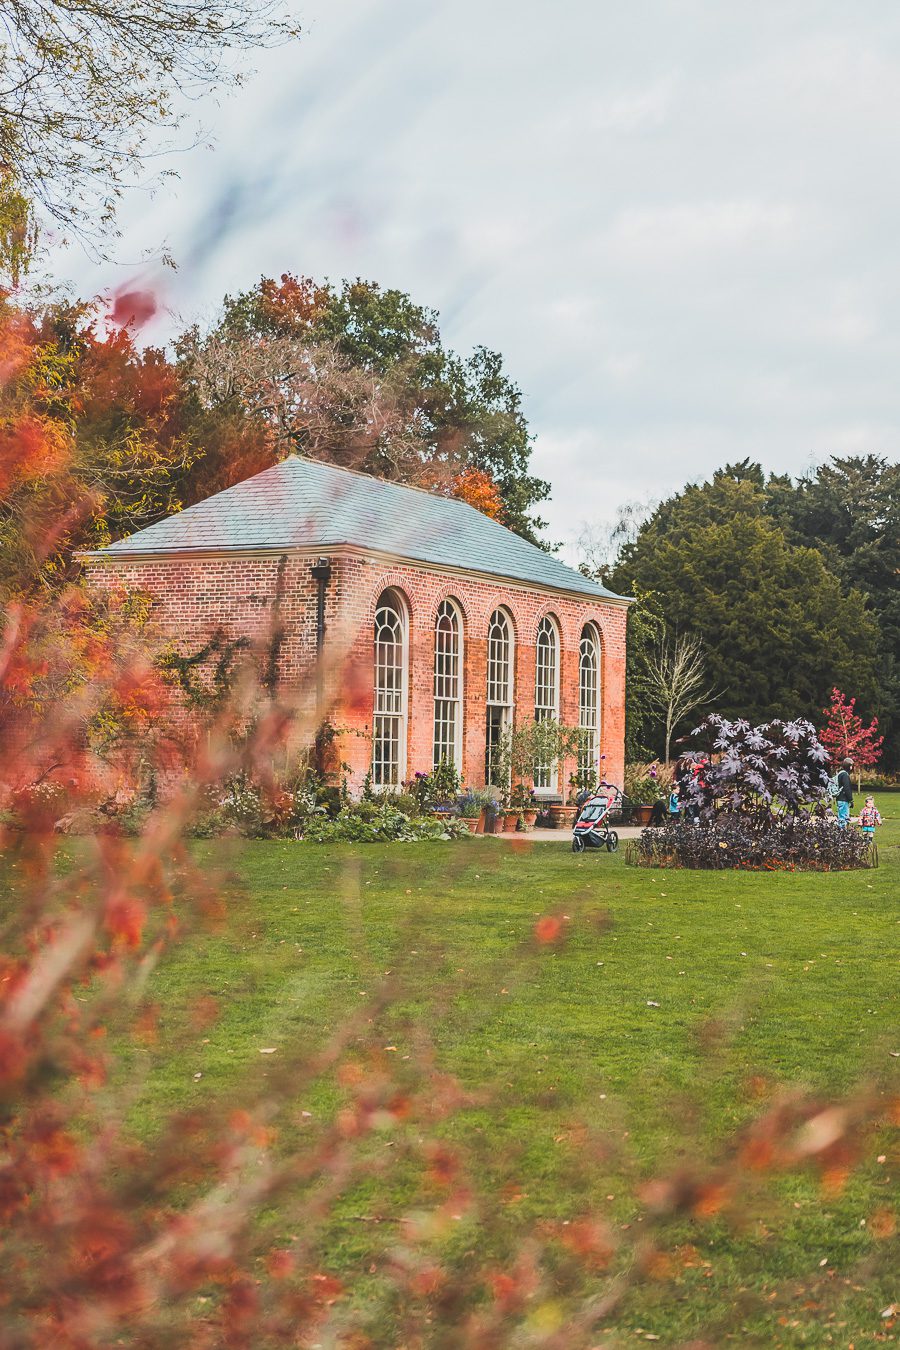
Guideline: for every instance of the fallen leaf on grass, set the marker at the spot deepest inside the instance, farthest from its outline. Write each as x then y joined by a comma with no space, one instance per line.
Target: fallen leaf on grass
269,1050
651,1004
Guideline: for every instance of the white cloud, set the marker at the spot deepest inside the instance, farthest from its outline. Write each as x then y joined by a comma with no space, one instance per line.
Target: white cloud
677,222
695,232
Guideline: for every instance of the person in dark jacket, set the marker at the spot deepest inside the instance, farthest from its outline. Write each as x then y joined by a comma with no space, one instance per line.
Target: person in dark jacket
844,793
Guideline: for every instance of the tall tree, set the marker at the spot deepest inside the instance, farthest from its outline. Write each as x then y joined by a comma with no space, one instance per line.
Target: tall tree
359,376
85,87
96,438
144,436
849,509
778,628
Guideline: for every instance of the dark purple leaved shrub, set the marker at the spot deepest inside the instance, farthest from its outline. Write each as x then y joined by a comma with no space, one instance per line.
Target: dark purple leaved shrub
801,842
753,797
759,772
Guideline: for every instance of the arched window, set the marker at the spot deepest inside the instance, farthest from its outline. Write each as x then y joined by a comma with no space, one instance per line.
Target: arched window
391,681
500,670
546,690
589,699
448,686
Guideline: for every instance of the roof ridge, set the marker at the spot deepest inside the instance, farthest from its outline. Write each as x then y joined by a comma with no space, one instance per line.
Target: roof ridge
392,482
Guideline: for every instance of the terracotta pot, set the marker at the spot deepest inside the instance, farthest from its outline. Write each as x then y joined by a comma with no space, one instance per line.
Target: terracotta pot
563,817
510,820
472,822
479,824
530,818
642,814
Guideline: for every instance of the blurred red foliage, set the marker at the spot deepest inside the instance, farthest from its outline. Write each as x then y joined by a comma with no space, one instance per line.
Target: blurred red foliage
159,1239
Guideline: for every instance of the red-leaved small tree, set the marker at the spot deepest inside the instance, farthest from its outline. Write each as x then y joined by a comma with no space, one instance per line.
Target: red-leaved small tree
845,735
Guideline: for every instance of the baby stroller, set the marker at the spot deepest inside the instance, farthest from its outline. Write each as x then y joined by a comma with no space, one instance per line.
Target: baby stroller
591,828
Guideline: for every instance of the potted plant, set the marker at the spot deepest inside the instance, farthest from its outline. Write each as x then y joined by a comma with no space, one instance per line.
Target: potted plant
523,799
436,792
562,814
471,809
642,789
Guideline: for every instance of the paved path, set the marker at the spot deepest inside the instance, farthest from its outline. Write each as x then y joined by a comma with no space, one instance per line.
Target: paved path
561,836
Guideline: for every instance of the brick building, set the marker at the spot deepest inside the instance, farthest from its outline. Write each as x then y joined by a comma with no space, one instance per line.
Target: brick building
437,626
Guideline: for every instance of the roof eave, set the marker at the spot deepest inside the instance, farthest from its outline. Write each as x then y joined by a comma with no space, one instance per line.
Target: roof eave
344,546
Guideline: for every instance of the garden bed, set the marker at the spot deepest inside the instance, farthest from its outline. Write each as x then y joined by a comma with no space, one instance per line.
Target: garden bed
804,843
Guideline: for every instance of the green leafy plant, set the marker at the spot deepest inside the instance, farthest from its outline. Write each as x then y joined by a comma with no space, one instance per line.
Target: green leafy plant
521,748
436,790
473,801
641,786
380,823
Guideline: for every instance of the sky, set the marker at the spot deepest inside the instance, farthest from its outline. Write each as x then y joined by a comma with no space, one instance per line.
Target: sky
678,220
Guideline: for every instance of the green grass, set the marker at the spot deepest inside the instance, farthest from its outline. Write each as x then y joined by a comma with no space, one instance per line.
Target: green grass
792,978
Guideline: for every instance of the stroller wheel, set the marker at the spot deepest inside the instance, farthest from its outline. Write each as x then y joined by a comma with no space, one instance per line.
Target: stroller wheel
577,844
612,842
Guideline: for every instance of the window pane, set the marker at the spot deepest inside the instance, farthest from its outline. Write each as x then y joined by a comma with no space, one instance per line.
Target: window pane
499,660
389,718
589,700
546,690
500,668
447,686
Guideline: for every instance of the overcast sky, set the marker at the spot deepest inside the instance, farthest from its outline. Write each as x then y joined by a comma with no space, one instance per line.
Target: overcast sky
678,220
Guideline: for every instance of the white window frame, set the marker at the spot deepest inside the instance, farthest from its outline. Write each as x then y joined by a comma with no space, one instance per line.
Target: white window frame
390,697
501,681
546,694
449,667
590,653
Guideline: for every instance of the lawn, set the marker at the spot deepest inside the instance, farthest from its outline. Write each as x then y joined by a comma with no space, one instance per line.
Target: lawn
675,1007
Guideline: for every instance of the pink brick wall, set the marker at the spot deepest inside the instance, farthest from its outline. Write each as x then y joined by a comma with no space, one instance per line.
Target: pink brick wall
195,596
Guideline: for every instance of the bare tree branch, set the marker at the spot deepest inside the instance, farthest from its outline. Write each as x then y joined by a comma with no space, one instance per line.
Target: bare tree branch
85,85
676,679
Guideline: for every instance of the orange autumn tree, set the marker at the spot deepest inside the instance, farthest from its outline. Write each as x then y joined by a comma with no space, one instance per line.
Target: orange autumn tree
478,489
35,449
105,438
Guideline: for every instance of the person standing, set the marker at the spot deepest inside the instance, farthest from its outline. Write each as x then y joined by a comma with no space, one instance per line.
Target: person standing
869,817
844,793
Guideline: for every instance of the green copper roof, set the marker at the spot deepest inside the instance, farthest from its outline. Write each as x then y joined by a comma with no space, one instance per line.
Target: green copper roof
302,503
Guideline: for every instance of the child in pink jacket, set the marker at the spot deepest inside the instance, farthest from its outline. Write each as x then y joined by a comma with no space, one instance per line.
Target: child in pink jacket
869,817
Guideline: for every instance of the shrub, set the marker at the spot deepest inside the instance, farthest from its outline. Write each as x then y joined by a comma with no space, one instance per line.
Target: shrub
805,842
374,823
644,783
758,772
436,790
468,805
753,797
